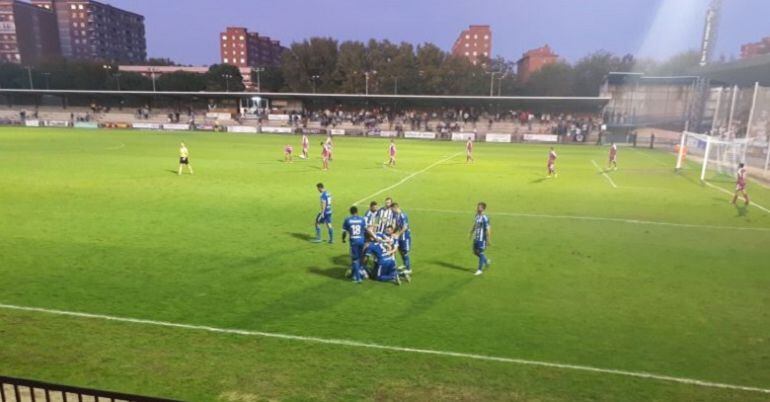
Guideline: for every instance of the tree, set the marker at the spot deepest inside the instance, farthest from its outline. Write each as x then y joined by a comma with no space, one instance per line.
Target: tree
591,71
271,79
507,82
224,77
350,67
135,82
679,64
429,61
182,81
459,76
157,61
555,79
13,76
403,72
310,63
79,75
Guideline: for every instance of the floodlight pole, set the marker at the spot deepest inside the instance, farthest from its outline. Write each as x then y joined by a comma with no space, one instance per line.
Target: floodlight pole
367,74
259,71
492,83
47,77
315,79
154,85
29,75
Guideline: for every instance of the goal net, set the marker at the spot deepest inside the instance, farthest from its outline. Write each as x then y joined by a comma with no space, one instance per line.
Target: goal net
716,155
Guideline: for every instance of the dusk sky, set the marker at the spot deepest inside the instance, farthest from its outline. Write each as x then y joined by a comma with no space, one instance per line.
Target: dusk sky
187,31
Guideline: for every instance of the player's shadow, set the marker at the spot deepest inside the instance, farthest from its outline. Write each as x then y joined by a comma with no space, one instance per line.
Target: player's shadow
341,260
301,236
742,210
333,273
172,171
540,180
450,265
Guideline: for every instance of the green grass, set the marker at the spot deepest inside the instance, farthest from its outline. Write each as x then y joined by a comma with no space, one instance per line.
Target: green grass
98,222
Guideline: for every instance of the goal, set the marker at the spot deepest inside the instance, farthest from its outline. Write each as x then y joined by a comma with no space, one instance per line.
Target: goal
716,155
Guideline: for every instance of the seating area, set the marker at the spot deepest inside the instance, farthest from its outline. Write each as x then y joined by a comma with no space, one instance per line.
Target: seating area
439,123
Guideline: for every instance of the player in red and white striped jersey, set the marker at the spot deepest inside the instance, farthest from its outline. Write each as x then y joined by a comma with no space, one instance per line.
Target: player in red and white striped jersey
469,151
740,184
613,162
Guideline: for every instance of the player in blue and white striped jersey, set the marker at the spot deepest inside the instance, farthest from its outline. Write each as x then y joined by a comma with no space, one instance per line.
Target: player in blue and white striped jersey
481,236
385,216
370,216
404,235
324,217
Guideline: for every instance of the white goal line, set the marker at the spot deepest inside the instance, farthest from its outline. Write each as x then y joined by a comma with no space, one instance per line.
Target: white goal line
728,192
407,178
596,218
357,344
604,174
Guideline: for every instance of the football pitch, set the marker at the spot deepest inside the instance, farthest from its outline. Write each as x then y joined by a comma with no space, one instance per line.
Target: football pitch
633,285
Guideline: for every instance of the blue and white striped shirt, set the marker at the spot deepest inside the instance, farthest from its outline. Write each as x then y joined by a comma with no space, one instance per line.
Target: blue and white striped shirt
481,228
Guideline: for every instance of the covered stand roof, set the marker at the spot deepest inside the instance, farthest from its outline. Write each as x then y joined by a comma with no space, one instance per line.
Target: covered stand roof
743,73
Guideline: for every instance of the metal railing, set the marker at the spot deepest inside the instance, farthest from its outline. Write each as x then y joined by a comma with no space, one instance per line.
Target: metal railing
21,390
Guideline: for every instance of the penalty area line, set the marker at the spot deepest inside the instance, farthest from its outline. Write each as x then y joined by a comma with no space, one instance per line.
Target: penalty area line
407,178
598,219
728,192
357,344
604,174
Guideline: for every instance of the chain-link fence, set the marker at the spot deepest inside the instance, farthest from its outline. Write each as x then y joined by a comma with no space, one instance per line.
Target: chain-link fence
744,113
639,101
758,128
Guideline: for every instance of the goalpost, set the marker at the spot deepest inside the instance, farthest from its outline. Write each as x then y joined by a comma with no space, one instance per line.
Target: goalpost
717,155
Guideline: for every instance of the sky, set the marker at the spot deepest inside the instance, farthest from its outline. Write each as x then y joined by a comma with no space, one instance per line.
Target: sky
187,31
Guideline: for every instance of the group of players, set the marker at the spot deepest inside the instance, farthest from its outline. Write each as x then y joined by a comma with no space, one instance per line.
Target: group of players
327,146
384,232
326,151
375,239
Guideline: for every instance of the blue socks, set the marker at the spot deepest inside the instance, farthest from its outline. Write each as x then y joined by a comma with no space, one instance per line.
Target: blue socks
482,261
408,262
356,271
318,234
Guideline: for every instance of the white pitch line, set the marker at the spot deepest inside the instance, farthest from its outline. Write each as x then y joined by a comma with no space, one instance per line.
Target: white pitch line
357,344
759,183
115,148
598,219
604,173
407,178
728,192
